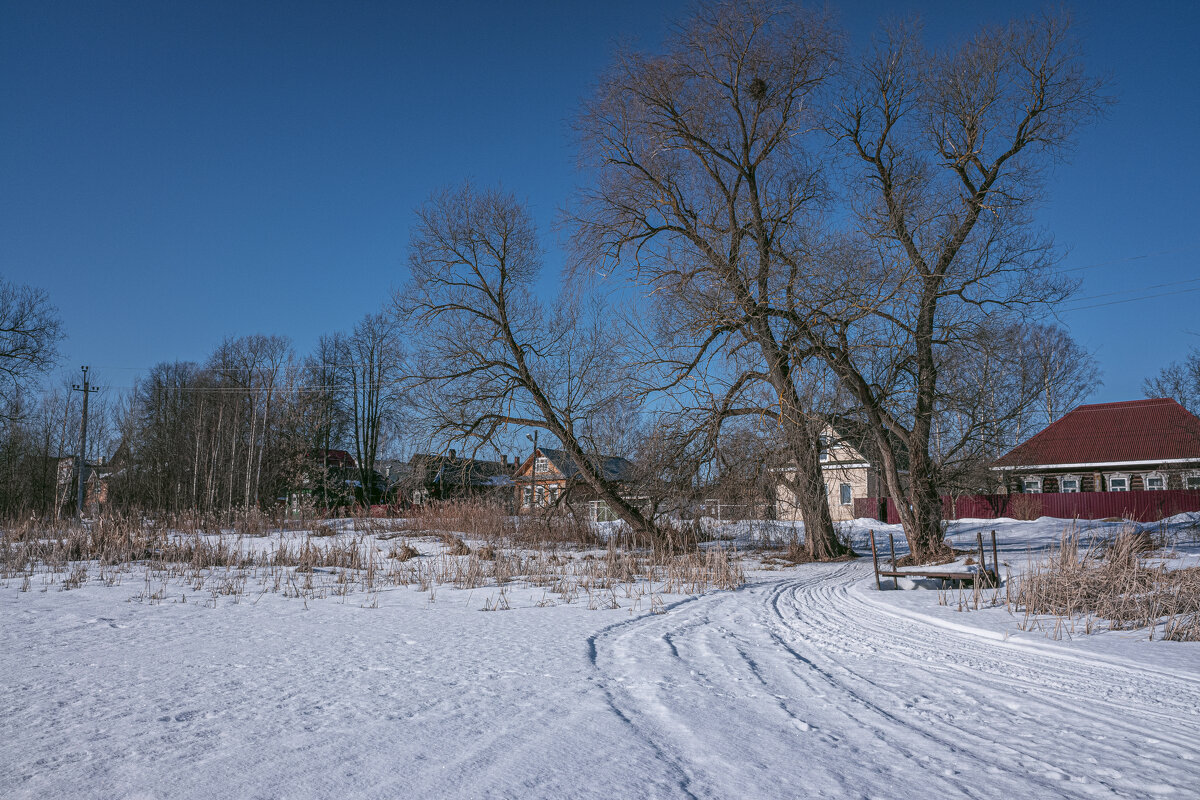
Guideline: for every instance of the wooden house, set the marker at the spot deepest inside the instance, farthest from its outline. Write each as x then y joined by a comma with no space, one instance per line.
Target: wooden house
1138,445
453,477
549,477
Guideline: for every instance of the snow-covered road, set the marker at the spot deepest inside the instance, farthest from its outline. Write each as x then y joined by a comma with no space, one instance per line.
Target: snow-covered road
804,684
809,687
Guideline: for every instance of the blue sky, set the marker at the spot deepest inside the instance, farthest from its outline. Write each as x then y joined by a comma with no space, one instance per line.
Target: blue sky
175,173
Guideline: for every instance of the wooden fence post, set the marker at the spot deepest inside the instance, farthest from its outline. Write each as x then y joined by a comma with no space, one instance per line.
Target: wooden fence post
995,560
875,562
982,560
892,546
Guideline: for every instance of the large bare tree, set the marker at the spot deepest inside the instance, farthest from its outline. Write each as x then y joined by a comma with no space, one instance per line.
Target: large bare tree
701,180
945,152
489,355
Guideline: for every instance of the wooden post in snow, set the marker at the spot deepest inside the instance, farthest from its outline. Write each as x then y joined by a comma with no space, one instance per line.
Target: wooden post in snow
875,562
892,546
982,562
995,561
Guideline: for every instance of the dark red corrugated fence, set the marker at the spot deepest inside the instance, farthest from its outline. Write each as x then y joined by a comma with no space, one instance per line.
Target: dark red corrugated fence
1141,506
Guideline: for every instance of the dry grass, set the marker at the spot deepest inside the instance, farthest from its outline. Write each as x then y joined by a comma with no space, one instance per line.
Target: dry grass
1110,583
475,520
1025,506
221,561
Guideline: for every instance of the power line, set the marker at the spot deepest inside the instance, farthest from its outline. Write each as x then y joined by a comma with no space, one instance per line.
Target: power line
1132,299
276,388
1141,288
201,368
81,461
1126,259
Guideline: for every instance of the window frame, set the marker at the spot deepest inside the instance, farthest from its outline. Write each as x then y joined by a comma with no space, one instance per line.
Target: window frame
1034,479
846,494
1155,476
1188,477
1078,484
1117,476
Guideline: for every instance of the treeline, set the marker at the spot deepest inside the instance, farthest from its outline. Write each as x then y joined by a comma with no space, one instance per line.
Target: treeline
240,430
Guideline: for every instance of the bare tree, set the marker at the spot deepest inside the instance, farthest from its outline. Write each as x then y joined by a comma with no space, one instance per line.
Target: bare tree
212,437
322,417
489,355
997,389
706,179
701,178
1179,381
945,153
1066,372
372,371
30,331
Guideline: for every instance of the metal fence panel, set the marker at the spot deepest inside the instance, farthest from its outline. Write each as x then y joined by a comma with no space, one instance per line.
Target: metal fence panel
1140,506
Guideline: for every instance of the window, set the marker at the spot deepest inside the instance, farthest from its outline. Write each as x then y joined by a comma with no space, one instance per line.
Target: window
1155,482
554,494
1192,482
542,464
824,442
1118,483
541,495
599,511
1068,484
1032,486
527,499
846,496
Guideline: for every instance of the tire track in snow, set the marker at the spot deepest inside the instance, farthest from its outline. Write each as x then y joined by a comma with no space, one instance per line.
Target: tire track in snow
800,686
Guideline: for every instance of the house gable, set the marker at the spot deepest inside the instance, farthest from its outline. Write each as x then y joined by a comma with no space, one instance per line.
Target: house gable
546,468
558,464
837,450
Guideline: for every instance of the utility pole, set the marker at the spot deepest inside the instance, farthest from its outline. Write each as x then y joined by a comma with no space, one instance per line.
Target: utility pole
533,480
81,464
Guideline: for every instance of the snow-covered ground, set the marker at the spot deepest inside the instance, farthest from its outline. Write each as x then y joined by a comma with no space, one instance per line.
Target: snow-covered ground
806,683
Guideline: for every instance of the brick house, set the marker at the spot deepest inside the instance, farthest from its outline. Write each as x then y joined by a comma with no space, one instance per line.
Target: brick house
1138,445
848,471
95,485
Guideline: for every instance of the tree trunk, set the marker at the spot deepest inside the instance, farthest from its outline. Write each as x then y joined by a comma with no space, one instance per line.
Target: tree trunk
926,538
800,433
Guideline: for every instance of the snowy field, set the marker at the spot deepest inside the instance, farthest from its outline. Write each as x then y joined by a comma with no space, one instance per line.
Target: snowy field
807,682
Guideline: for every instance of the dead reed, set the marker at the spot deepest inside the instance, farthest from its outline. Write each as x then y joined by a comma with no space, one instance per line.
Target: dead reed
222,561
1115,582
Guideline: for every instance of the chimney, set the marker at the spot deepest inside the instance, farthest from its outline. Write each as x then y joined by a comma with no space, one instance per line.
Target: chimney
504,460
452,454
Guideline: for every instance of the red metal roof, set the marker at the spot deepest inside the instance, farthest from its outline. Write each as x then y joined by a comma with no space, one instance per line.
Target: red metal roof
1113,433
335,458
